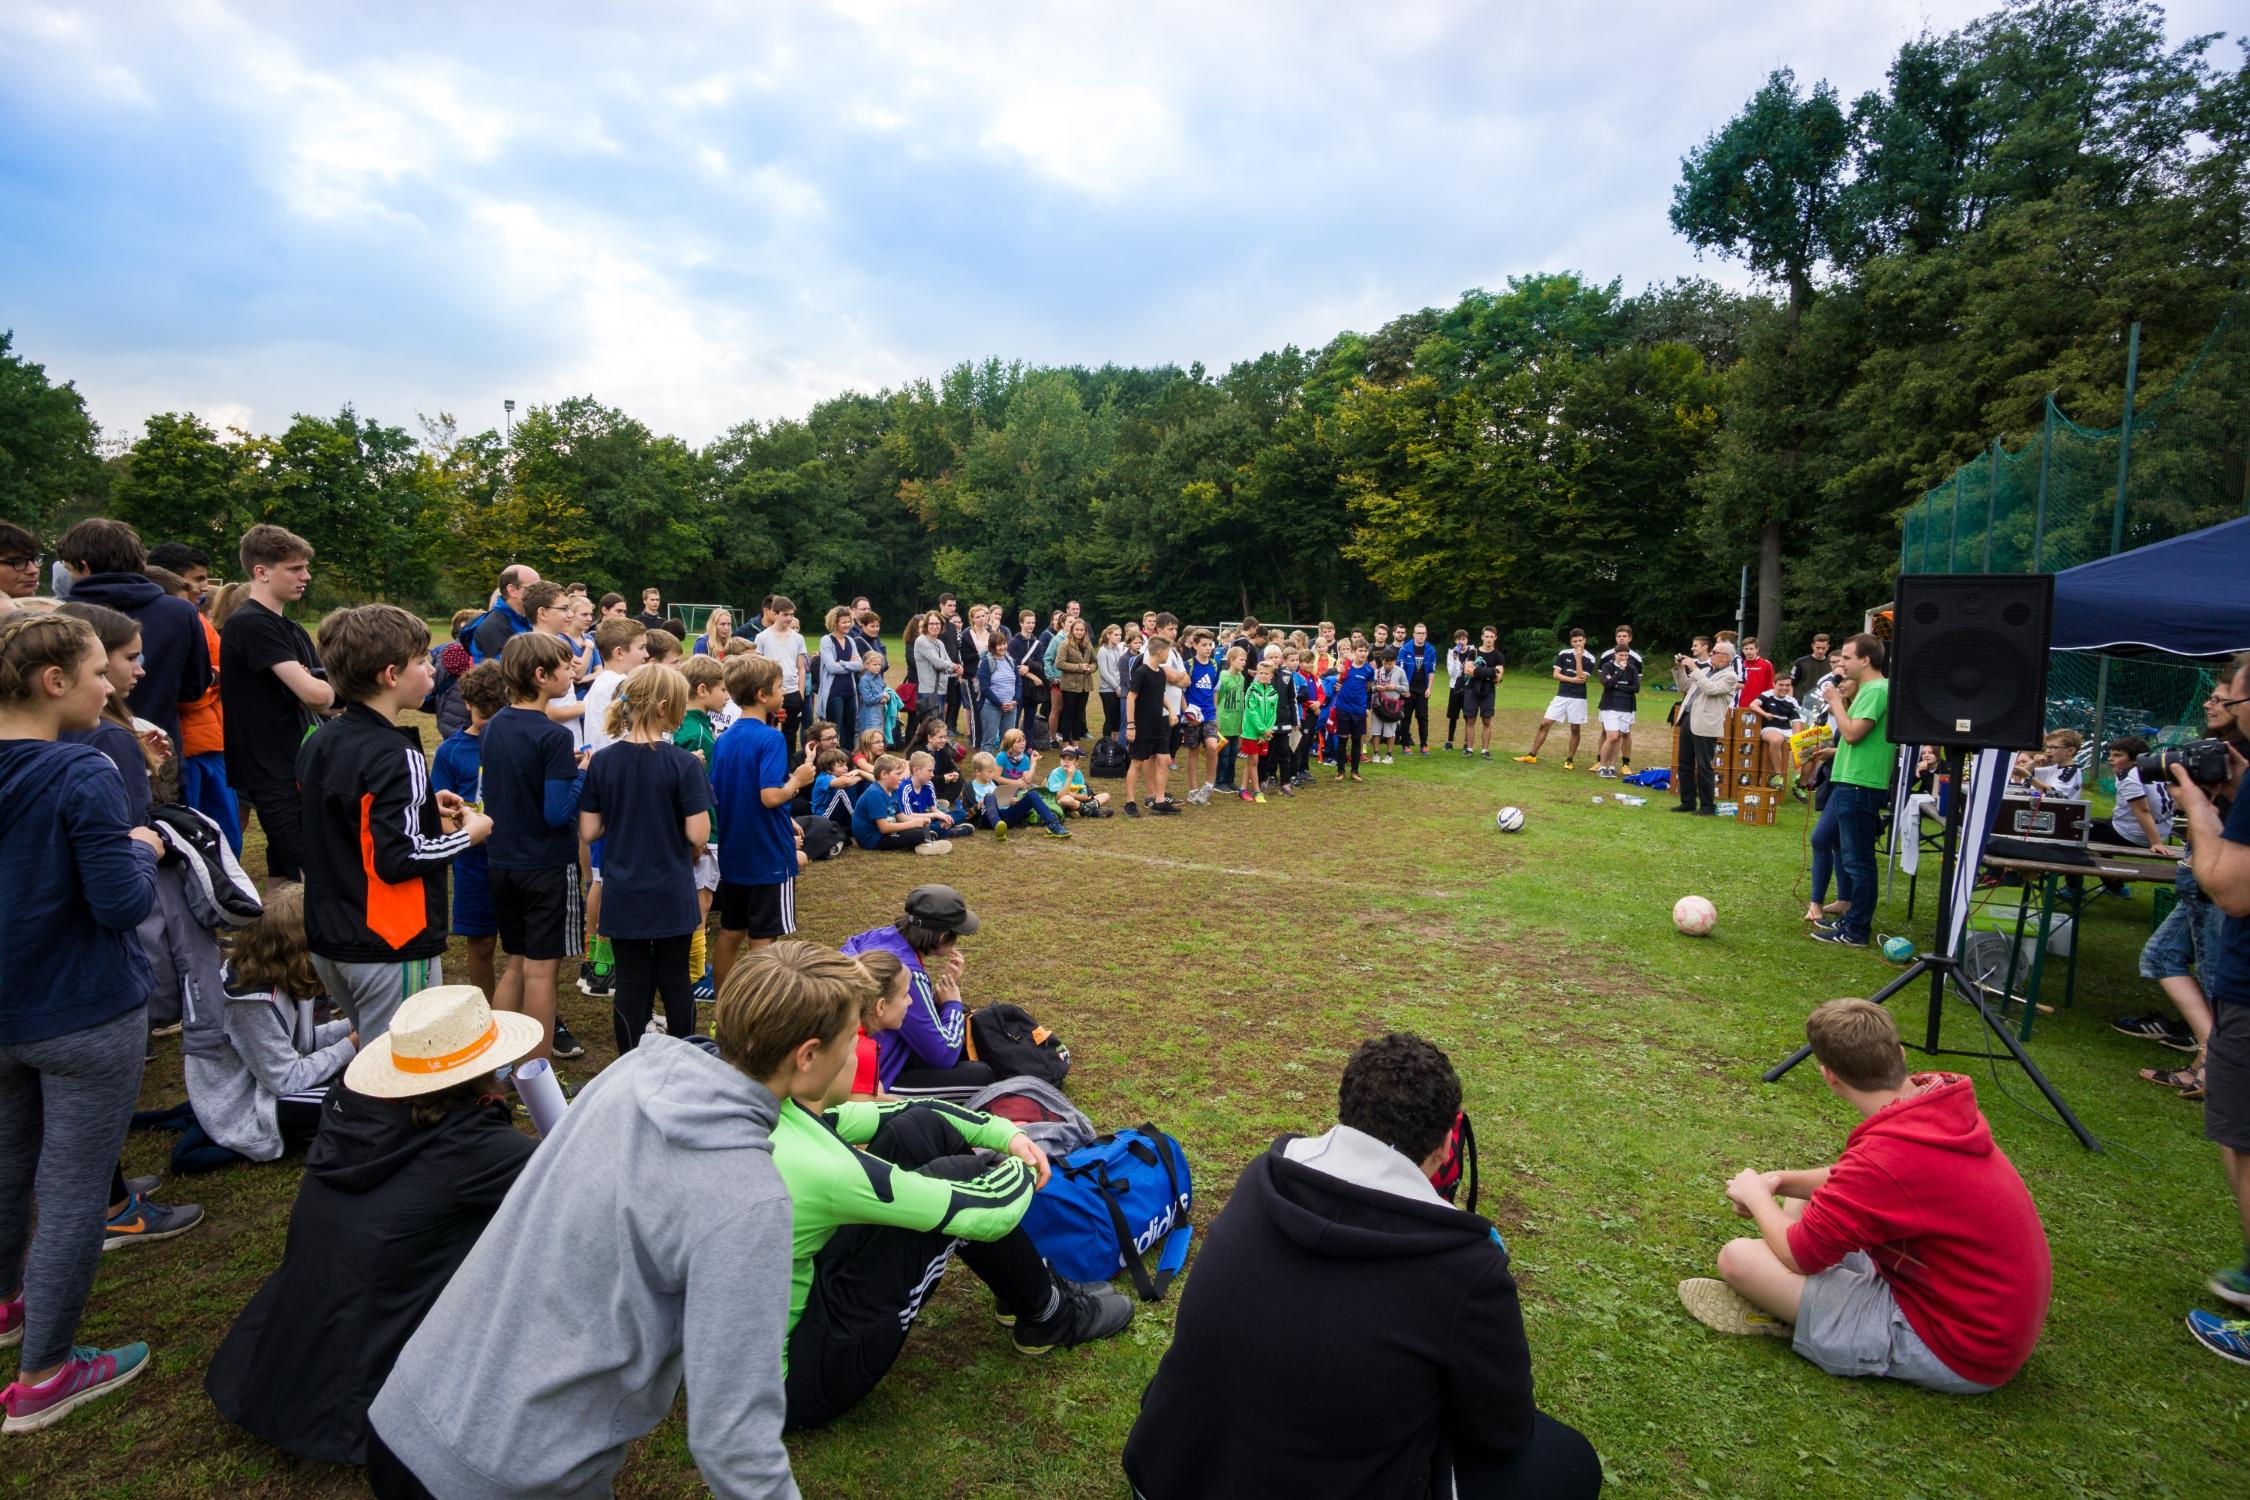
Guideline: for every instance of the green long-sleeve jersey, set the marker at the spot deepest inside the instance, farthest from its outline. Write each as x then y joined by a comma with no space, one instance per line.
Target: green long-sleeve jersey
831,1184
1259,711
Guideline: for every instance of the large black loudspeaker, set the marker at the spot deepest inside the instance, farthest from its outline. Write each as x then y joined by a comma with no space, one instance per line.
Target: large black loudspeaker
1968,659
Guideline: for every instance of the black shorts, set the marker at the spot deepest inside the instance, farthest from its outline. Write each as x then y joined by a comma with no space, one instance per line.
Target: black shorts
539,912
1151,741
1477,700
1348,724
2226,1076
762,911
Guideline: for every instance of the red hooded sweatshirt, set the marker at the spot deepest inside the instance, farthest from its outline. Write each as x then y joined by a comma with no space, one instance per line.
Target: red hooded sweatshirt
1922,1189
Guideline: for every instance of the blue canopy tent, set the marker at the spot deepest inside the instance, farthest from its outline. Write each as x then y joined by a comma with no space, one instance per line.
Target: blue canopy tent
2186,596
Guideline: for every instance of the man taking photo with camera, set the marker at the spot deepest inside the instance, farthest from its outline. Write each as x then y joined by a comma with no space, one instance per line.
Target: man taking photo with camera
2220,851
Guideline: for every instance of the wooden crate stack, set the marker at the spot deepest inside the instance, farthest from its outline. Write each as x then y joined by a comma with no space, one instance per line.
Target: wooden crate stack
1742,777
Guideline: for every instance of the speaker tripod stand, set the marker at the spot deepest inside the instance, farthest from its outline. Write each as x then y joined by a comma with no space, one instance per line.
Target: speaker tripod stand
1943,974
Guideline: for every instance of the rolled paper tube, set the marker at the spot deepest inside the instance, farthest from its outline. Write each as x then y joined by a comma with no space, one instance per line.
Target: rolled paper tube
541,1094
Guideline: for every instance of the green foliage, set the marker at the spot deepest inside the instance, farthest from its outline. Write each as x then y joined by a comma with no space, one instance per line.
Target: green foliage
46,443
181,482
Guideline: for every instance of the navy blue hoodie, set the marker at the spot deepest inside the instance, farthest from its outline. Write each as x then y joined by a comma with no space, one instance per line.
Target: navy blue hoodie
175,653
74,881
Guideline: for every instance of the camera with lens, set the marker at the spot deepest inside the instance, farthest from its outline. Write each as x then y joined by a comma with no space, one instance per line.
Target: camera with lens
2205,760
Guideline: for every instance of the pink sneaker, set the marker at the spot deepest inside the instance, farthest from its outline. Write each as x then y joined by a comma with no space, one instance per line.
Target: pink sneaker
88,1375
11,1323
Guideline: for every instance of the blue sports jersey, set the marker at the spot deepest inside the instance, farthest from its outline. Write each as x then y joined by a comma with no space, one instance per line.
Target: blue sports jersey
757,843
1203,689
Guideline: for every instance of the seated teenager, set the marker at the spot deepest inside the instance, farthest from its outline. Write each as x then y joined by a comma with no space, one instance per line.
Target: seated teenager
1919,1255
258,1091
874,1227
1066,785
1347,1331
927,1054
991,802
884,1010
410,1163
647,1241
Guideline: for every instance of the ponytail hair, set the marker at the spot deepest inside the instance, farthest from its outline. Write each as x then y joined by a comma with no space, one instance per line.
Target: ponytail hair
654,698
32,641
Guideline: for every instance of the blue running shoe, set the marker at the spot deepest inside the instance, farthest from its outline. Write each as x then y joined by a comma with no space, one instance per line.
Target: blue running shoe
706,989
2228,1338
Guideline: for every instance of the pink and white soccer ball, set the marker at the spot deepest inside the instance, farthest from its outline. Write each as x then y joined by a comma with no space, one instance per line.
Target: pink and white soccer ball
1694,915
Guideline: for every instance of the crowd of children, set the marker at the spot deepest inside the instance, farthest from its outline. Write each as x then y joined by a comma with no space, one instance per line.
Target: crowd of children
607,791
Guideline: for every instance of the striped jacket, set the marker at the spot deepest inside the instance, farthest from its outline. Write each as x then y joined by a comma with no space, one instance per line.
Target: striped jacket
375,853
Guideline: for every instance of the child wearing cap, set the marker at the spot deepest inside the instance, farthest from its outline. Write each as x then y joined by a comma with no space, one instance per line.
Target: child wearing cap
411,1162
927,1053
659,1189
1066,786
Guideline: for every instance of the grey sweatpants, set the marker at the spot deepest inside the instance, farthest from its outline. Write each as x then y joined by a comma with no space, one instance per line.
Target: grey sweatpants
372,993
65,1104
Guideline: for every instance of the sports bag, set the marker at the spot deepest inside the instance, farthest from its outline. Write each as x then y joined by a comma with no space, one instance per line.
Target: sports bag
1109,1204
1108,759
823,839
1037,734
1015,1045
217,891
1040,1110
1460,1157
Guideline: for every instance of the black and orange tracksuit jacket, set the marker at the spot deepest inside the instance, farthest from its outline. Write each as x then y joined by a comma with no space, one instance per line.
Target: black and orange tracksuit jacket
375,853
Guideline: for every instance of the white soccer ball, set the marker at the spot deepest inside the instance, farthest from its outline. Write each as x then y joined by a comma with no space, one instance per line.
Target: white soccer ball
1694,915
1508,819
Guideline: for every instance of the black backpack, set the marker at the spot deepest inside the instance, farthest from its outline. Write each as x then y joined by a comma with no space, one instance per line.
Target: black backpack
1108,759
1015,1045
823,839
1037,733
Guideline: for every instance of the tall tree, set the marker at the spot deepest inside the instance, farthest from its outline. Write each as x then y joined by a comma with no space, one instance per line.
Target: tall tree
47,452
180,483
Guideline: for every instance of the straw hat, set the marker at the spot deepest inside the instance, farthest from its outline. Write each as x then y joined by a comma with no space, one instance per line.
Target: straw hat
440,1037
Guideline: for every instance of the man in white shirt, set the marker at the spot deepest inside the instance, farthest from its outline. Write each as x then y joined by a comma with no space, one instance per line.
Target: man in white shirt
781,643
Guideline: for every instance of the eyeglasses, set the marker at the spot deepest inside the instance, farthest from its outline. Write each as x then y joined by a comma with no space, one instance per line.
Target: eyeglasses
2220,702
22,561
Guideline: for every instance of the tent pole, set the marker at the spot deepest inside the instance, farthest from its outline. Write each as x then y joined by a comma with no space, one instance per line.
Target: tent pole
2125,441
2046,462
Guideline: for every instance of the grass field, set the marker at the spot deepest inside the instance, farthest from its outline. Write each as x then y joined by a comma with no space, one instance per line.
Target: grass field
1211,973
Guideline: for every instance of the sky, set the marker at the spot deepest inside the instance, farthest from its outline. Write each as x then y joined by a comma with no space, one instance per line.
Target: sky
706,214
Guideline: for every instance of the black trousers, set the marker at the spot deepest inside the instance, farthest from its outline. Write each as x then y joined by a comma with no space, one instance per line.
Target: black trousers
793,724
1698,786
281,814
1113,715
1073,725
1557,1464
1417,720
388,1476
956,1083
1452,712
646,967
869,1282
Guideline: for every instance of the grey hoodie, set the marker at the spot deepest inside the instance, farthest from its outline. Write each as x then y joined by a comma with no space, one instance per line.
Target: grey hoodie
648,1239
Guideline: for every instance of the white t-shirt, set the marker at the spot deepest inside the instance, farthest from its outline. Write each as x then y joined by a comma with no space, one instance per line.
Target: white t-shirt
785,649
599,694
576,726
2159,801
1175,693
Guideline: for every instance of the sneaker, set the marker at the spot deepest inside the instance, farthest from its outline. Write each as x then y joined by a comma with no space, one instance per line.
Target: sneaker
1356,778
1167,808
1245,795
657,1026
1057,831
1469,753
1448,747
143,1221
1000,833
597,981
933,846
2228,1338
566,1045
1286,790
11,1323
1720,1307
1838,936
2165,1031
706,989
88,1375
142,1185
1132,810
1005,1315
1523,760
1570,765
1086,1313
1488,755
172,1030
1680,809
2230,1285
1259,798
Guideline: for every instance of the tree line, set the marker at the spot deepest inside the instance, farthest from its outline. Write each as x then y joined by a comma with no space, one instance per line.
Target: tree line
1937,256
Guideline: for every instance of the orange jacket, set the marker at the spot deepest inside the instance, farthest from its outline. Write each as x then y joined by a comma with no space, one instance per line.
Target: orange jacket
202,729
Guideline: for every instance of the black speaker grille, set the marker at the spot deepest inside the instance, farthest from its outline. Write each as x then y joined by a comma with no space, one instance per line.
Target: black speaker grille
1970,660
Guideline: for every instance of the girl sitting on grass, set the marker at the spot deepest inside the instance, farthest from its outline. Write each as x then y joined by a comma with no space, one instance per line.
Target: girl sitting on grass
883,1010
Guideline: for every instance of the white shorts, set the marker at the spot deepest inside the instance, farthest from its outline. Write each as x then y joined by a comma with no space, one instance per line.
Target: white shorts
1566,710
1616,721
707,869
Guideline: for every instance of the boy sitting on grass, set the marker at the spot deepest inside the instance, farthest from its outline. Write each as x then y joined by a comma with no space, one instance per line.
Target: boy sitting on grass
1919,1255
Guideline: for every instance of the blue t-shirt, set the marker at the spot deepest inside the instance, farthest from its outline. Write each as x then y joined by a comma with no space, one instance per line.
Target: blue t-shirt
2229,979
644,794
1351,689
524,750
918,799
874,804
1202,689
757,843
458,767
